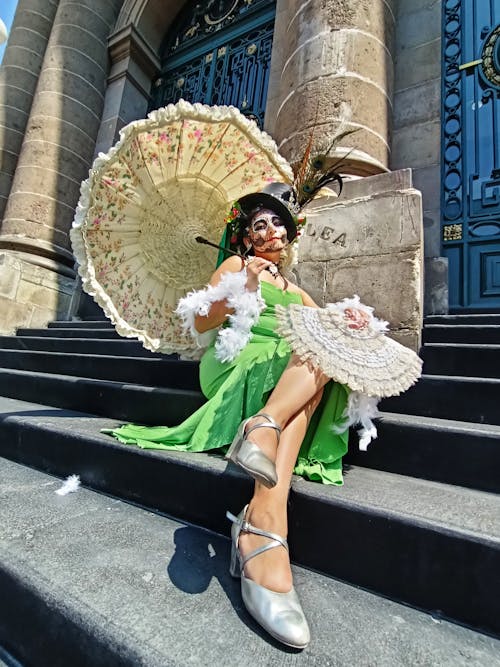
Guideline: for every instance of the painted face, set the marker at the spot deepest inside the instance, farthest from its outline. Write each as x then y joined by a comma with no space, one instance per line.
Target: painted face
267,231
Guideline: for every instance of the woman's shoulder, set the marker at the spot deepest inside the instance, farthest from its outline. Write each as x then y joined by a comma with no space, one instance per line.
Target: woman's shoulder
232,264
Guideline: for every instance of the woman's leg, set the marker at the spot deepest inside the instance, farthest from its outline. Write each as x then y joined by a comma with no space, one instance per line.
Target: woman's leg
297,386
268,507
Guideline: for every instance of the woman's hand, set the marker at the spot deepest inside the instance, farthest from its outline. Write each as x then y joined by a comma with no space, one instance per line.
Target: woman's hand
255,266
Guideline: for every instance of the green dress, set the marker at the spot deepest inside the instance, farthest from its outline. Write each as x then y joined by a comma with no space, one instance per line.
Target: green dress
239,389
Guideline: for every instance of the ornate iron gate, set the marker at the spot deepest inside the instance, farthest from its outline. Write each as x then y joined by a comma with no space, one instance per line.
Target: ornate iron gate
471,152
219,52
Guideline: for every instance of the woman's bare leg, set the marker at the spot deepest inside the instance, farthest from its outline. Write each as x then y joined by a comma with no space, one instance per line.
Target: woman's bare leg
299,383
268,507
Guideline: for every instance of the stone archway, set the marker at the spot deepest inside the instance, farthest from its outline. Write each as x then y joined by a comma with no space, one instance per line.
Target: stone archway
134,48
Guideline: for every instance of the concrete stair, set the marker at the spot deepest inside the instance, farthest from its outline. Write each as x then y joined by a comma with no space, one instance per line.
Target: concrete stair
418,519
124,587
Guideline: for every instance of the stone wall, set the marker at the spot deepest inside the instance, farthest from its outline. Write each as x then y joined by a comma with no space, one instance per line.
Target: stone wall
369,242
30,295
417,127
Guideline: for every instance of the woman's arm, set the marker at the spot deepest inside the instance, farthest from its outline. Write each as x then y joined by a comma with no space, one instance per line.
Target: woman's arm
219,310
307,300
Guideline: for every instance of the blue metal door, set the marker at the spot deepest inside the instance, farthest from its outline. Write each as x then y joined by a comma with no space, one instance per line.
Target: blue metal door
471,152
219,52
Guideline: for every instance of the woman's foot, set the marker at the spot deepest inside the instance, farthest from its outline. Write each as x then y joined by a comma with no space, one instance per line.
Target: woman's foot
270,569
267,591
252,456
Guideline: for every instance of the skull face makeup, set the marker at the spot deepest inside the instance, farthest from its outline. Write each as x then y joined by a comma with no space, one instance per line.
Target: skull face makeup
267,231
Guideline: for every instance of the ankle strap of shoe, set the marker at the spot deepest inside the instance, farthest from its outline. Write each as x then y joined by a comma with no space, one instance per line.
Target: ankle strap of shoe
276,540
272,424
250,528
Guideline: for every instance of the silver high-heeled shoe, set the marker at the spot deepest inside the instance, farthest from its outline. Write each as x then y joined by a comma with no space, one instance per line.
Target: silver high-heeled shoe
249,456
280,614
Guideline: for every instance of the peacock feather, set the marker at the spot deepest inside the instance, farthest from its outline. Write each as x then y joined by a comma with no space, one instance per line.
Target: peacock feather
318,169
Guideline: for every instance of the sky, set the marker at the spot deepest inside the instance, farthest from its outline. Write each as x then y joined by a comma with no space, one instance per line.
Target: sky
7,11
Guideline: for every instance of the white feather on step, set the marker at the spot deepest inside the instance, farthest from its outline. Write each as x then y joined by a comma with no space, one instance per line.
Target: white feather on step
360,409
71,484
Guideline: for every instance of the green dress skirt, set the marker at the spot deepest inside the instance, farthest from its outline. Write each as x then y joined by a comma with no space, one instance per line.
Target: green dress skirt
238,389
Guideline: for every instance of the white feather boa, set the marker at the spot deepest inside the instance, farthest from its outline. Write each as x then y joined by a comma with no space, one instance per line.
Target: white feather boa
360,409
247,307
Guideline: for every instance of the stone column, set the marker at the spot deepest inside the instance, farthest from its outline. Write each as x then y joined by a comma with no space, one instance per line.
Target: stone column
332,69
19,72
133,66
57,151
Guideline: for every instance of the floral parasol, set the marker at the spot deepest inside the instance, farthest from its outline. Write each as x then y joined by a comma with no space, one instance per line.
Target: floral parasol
171,177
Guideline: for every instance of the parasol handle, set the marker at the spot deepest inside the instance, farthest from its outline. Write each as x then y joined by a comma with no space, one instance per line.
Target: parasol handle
200,239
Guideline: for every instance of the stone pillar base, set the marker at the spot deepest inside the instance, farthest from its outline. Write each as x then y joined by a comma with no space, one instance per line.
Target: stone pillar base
436,286
369,242
30,295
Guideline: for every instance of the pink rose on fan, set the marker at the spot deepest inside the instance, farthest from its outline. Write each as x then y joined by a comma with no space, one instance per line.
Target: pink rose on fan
357,319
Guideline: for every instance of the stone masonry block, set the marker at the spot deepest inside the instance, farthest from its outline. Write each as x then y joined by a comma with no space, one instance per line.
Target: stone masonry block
428,181
10,274
13,315
376,225
390,283
38,296
42,277
421,63
28,291
338,51
317,98
407,337
402,179
40,317
418,145
311,277
419,104
420,26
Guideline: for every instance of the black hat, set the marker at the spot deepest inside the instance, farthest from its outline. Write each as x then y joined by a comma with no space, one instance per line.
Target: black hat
278,197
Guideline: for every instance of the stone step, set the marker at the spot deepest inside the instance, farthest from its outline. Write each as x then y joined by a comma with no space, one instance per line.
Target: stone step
81,324
431,545
104,583
416,446
461,359
127,402
449,397
442,450
472,333
489,318
73,332
95,346
158,371
441,396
